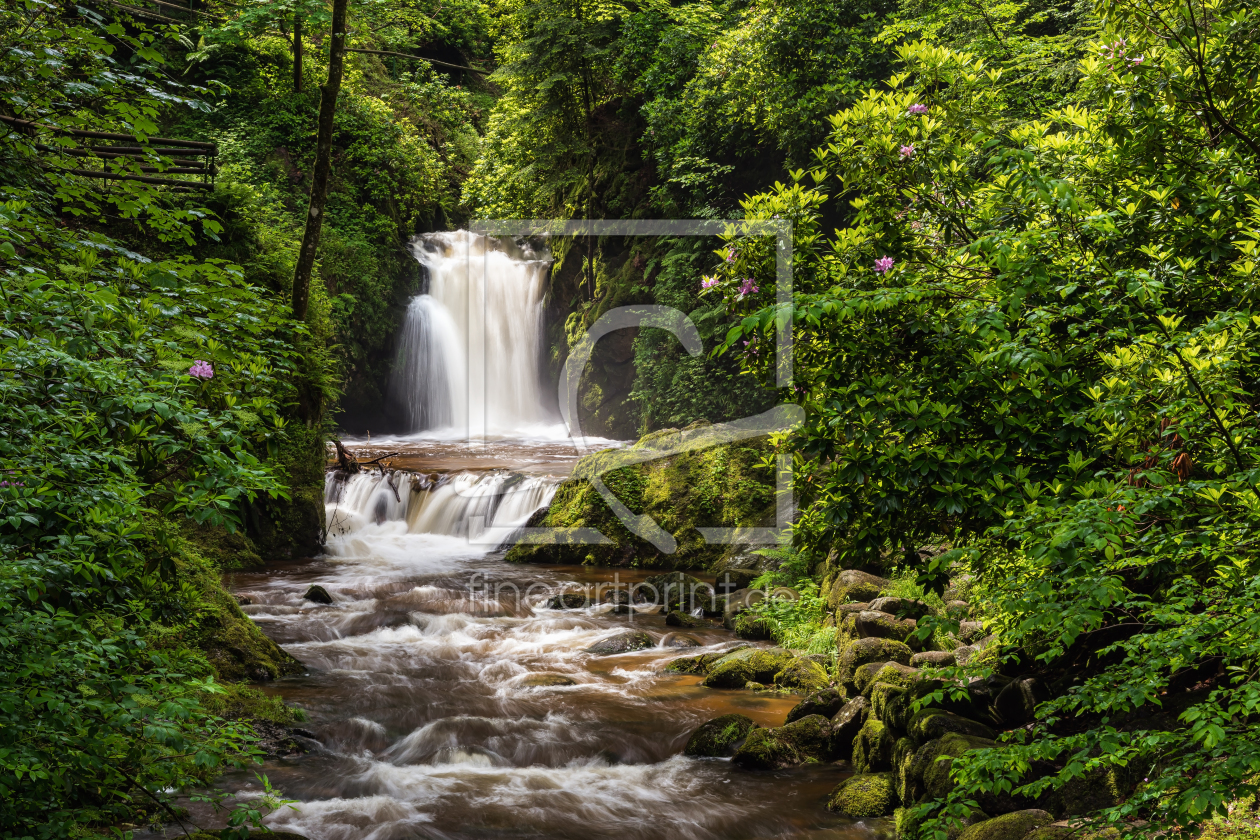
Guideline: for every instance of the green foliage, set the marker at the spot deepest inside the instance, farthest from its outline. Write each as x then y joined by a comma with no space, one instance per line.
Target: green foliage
1051,363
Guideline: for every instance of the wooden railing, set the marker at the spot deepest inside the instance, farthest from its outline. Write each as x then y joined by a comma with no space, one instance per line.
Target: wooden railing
182,157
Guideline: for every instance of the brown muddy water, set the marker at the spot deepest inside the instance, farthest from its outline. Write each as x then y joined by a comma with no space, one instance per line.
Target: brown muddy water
418,689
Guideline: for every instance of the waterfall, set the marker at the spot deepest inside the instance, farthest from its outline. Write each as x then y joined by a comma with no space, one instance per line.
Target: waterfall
482,506
470,354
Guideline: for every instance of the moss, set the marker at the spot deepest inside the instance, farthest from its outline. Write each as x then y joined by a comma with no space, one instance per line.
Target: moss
825,702
932,761
803,674
1011,826
890,703
1099,788
720,736
852,585
682,619
698,664
873,747
747,665
865,795
235,702
720,486
858,653
799,742
930,724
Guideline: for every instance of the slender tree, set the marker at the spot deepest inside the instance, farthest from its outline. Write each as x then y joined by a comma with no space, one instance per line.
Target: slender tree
297,51
323,162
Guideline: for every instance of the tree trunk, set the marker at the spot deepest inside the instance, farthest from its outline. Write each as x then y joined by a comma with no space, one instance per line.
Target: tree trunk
297,53
323,163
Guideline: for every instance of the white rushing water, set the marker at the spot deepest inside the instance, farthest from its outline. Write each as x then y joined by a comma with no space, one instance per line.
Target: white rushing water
470,353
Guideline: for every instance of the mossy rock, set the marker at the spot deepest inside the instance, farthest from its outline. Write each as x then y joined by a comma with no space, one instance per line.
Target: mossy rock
862,651
852,585
698,664
826,702
800,742
679,640
622,643
845,726
1012,826
733,580
932,761
865,795
901,607
803,674
873,747
719,737
750,626
568,601
930,724
880,625
932,659
745,666
1103,787
1050,832
678,591
891,704
908,826
317,594
681,619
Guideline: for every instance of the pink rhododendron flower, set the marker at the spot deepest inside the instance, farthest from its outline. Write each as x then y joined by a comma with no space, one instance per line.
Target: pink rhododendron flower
201,370
708,282
907,151
883,264
917,108
730,255
748,287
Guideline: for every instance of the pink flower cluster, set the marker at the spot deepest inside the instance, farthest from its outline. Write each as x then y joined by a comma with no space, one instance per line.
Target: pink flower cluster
707,283
916,109
1115,52
748,287
883,265
201,370
12,484
731,255
907,151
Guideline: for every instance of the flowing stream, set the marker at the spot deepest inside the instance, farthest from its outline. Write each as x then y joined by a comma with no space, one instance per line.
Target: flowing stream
445,700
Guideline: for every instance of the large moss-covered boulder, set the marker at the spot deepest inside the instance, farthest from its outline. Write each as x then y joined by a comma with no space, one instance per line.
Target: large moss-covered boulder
933,760
759,665
749,625
865,795
852,585
891,704
908,826
622,643
719,737
803,674
845,726
933,659
1100,788
881,625
1012,826
930,724
858,653
873,747
800,742
698,664
826,702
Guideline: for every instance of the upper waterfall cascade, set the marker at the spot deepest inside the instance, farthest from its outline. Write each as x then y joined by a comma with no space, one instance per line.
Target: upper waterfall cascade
470,354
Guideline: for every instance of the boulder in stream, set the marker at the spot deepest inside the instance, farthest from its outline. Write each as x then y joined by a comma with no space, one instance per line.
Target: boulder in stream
803,674
719,737
681,619
826,703
568,600
622,643
318,594
864,795
784,746
735,670
547,680
845,726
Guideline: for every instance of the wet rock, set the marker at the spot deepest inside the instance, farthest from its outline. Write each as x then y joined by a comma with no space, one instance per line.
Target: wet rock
873,747
546,680
901,607
279,741
826,703
732,580
698,664
881,625
864,795
719,737
1016,704
679,640
568,601
318,594
1012,826
622,643
681,619
803,674
932,659
615,596
244,600
785,746
931,724
852,585
858,653
747,665
678,591
845,726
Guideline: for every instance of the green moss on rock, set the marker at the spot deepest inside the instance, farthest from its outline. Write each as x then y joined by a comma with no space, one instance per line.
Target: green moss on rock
1012,826
825,702
865,795
873,747
932,761
799,742
747,665
803,674
858,653
930,724
719,737
852,585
